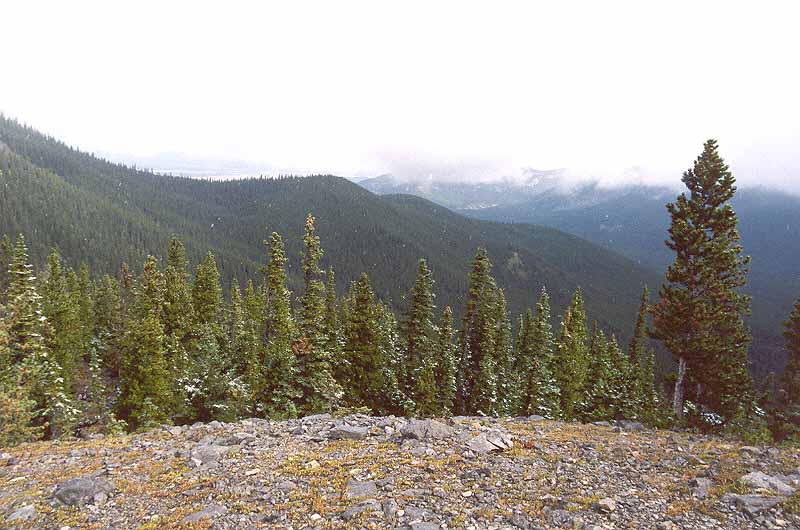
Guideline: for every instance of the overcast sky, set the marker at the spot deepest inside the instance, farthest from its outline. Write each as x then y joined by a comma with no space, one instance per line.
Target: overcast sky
415,88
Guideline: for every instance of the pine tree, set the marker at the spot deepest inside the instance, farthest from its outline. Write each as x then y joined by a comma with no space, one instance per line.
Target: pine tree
445,365
207,292
320,390
699,315
332,324
476,340
419,339
280,387
146,398
539,392
178,313
571,360
506,388
64,336
641,387
484,398
789,399
35,371
109,324
6,252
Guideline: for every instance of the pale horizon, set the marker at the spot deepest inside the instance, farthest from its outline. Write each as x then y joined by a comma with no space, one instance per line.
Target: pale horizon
453,91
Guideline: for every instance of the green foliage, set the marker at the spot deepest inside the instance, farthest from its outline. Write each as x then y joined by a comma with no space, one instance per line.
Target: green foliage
699,315
419,337
572,359
445,367
539,390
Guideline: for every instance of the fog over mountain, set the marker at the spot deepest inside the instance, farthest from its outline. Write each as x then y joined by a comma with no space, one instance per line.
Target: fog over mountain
452,90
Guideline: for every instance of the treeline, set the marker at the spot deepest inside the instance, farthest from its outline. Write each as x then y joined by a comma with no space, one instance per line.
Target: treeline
125,353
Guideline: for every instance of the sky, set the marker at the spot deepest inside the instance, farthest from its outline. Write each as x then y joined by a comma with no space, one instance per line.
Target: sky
452,90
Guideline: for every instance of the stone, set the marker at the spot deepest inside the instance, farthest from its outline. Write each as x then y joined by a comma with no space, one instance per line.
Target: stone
490,442
24,514
631,426
536,417
424,526
356,488
751,504
700,487
606,505
208,455
519,520
314,418
348,432
426,430
83,490
369,505
760,480
750,450
210,512
602,423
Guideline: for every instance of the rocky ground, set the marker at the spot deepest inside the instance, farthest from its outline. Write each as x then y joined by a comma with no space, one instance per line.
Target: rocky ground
364,472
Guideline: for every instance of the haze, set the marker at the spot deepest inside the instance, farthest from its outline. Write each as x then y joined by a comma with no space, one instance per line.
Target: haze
623,91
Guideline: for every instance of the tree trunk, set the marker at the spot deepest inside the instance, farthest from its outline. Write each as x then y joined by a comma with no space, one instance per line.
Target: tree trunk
677,397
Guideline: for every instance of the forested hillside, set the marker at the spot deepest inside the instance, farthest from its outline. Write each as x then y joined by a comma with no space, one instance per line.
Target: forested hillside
102,214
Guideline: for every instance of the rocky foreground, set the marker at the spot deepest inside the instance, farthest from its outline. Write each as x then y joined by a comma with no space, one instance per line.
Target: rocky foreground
365,472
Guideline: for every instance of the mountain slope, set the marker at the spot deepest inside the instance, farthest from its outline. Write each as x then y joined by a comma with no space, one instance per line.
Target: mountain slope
633,221
104,213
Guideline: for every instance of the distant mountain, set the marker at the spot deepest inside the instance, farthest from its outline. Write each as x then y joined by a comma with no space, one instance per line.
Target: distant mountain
102,213
633,221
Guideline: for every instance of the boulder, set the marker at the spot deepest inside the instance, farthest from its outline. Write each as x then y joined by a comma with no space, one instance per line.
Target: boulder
700,487
760,480
356,489
606,505
426,430
208,455
491,441
24,514
348,432
751,504
83,490
631,426
369,505
210,512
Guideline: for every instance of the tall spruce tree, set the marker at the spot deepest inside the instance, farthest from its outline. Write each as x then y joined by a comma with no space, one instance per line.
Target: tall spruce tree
476,340
699,315
145,391
280,387
789,398
539,391
505,384
571,363
419,335
320,389
60,307
445,365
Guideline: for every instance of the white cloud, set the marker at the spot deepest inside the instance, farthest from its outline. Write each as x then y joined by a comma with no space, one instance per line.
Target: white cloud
359,87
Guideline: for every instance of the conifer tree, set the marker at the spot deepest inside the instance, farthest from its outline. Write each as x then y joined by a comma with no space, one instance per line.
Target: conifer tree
109,324
207,292
571,358
506,387
391,354
6,252
789,401
483,398
332,325
26,352
63,334
178,315
539,392
641,388
319,387
280,387
699,315
145,391
419,338
445,365
476,340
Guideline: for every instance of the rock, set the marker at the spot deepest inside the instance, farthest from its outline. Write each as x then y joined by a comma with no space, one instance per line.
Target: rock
750,450
83,490
606,505
356,488
751,504
369,505
489,442
426,430
631,426
700,487
424,526
208,455
24,514
210,512
315,418
536,417
666,525
348,432
519,520
601,423
760,480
